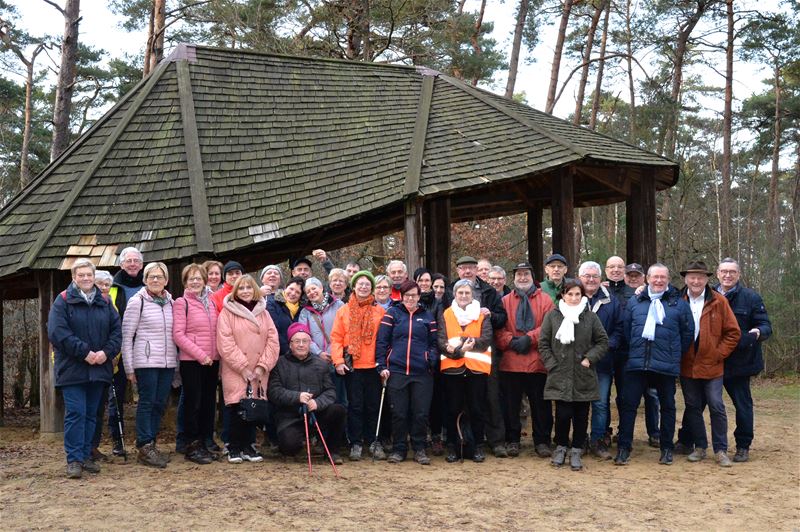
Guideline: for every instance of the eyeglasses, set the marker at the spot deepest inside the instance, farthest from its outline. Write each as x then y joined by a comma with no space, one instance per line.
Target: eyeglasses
155,277
195,279
301,341
587,276
410,296
381,288
728,272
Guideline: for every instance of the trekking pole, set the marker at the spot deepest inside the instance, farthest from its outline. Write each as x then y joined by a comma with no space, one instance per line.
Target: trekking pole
308,441
460,434
321,437
119,422
380,413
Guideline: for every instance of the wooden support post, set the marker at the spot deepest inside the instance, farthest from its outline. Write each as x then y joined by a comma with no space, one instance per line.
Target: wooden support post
562,206
437,235
2,362
640,228
51,405
413,234
535,242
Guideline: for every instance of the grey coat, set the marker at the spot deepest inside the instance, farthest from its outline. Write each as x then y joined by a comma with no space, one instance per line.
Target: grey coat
567,380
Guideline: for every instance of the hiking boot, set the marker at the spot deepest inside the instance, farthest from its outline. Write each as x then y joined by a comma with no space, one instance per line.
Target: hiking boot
376,449
437,447
91,466
543,450
666,457
74,470
559,456
395,458
479,455
452,455
500,451
513,449
681,448
742,455
118,449
196,452
575,459
235,458
421,457
99,456
696,455
723,460
654,441
148,456
623,457
355,452
336,459
599,449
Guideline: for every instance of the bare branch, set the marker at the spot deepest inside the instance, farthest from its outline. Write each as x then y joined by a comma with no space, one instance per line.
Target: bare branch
55,6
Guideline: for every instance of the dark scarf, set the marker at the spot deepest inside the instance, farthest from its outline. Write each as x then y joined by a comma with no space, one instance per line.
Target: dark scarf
320,307
249,305
525,319
159,300
427,300
122,278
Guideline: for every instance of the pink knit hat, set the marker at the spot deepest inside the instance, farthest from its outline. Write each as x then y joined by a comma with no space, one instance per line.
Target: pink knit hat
295,328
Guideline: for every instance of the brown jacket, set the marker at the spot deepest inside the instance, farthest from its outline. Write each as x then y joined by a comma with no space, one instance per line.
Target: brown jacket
719,335
531,361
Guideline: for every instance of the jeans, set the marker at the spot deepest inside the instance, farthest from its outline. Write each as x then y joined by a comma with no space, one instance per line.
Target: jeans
601,411
738,389
531,384
116,409
636,384
331,420
697,393
410,396
80,416
154,385
466,392
575,413
364,396
101,411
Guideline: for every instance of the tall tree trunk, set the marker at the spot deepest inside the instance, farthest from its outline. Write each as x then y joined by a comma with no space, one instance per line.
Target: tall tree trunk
773,223
587,55
727,123
365,23
159,23
513,64
27,131
795,244
598,86
562,32
65,86
475,44
631,88
148,49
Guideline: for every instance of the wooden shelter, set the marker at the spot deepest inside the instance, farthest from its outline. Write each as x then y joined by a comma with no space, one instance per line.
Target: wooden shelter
237,154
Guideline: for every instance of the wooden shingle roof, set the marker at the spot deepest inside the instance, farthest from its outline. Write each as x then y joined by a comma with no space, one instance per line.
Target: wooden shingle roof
224,150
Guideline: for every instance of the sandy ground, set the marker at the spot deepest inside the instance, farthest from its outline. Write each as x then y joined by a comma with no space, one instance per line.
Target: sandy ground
520,493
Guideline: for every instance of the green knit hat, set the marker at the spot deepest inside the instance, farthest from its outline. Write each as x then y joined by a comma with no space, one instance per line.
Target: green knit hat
362,273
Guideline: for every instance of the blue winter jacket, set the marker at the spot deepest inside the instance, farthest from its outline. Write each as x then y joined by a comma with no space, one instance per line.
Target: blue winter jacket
672,338
610,310
75,327
747,359
282,318
406,342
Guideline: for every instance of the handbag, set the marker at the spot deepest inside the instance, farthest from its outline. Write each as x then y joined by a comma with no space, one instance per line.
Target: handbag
254,409
348,359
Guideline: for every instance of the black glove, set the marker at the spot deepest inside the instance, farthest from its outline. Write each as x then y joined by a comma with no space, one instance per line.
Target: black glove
520,344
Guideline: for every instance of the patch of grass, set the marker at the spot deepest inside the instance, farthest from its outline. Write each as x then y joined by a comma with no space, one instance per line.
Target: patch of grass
779,390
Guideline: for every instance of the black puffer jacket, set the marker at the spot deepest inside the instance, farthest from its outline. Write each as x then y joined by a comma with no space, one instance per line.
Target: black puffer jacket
289,377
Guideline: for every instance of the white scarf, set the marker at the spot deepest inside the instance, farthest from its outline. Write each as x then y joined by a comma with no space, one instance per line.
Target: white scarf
467,315
655,315
566,333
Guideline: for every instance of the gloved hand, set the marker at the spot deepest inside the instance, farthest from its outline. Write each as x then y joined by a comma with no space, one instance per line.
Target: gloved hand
520,344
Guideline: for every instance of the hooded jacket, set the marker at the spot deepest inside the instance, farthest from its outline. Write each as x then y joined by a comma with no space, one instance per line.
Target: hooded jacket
719,334
147,333
320,324
282,318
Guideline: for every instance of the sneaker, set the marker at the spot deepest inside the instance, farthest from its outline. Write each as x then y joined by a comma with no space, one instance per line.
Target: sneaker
421,457
696,455
654,441
376,450
235,458
623,457
500,451
723,460
666,457
559,456
742,455
252,450
437,447
118,449
395,458
225,449
513,449
99,456
250,457
74,470
543,450
91,466
599,449
681,448
479,455
336,459
355,452
575,459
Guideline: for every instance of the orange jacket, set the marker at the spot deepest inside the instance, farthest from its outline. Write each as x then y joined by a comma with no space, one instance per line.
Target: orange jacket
531,362
719,335
363,355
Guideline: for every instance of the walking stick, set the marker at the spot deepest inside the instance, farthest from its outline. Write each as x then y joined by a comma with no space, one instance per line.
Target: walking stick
460,434
380,413
119,423
308,441
321,437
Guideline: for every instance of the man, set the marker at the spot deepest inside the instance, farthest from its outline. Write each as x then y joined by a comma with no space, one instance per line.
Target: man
716,334
747,359
615,278
634,276
555,268
127,282
300,381
483,269
230,272
521,368
659,327
397,271
609,309
301,267
350,269
497,278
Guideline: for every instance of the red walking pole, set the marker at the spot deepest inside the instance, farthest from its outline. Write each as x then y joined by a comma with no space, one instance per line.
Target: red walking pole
321,437
308,441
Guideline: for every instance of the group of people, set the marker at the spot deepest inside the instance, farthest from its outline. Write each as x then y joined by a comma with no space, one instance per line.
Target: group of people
399,364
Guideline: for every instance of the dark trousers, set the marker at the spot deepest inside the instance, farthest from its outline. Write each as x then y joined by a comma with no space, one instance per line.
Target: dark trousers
199,399
241,433
651,406
531,384
410,397
636,385
697,393
495,424
80,416
436,415
116,409
154,385
331,420
363,401
466,396
576,414
738,389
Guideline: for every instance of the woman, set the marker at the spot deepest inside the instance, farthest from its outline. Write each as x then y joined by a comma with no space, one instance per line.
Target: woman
103,281
214,274
248,346
465,340
271,280
383,291
406,356
427,297
150,358
195,334
84,329
429,301
354,332
337,281
284,309
571,342
439,286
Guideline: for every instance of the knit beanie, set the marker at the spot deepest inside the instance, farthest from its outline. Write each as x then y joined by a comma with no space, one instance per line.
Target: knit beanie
297,327
362,273
230,266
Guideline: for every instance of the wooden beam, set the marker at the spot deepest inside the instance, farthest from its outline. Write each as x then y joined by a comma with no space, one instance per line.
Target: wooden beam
614,179
535,241
51,405
2,362
413,234
437,235
417,153
640,224
562,207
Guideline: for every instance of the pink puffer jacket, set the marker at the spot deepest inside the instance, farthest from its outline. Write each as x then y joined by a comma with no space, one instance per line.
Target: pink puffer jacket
147,333
195,328
245,340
